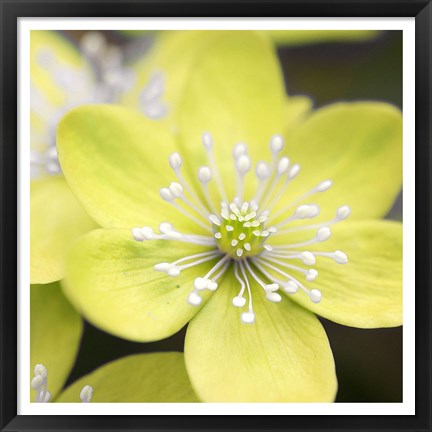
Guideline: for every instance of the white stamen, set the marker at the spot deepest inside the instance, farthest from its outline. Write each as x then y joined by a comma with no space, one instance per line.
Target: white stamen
194,299
343,212
175,161
204,175
86,394
240,149
324,185
276,144
315,296
282,166
262,171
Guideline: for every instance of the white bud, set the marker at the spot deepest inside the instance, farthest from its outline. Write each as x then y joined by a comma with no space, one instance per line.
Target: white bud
315,296
323,234
204,175
238,301
276,143
176,189
86,394
194,299
343,212
175,161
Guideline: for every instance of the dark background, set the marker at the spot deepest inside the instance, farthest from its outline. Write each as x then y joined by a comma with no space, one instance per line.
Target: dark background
368,362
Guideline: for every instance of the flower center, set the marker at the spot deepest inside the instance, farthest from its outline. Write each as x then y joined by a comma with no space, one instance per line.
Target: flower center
240,234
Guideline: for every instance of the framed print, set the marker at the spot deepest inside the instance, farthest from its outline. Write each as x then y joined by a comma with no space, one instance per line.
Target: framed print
216,216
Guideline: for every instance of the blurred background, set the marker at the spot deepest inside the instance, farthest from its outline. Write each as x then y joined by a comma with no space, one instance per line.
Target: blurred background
368,362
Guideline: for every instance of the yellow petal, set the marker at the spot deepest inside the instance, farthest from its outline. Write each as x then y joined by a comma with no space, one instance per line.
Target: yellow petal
156,377
56,219
283,357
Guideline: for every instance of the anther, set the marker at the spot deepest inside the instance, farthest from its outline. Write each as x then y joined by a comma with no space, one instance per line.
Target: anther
315,295
290,287
276,144
282,166
175,161
262,170
238,301
166,194
323,234
207,140
307,257
176,189
86,394
248,317
239,150
343,212
311,275
324,185
295,169
340,257
194,299
204,175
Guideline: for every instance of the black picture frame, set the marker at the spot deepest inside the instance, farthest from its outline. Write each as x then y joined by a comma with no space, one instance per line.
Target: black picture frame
11,10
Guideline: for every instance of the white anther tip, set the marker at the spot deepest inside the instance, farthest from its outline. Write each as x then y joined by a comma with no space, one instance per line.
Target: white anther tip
47,396
137,234
200,283
340,257
212,285
37,381
162,267
308,258
86,394
214,219
294,171
194,299
207,140
302,211
315,296
166,194
248,317
147,233
204,175
276,143
343,212
283,165
41,370
273,297
262,170
175,161
165,227
176,189
239,252
238,301
243,164
324,185
272,287
311,275
323,234
173,271
239,150
290,287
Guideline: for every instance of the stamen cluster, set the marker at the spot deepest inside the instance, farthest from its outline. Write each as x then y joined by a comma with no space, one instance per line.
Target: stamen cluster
240,231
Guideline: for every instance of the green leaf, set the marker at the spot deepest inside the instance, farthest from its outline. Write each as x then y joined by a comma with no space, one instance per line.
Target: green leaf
56,219
367,291
110,279
306,37
156,377
55,333
115,161
356,145
283,357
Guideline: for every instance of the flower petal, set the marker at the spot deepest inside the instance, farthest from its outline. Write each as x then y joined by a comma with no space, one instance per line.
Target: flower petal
367,291
55,333
156,377
115,161
110,279
169,62
283,357
235,92
56,218
359,147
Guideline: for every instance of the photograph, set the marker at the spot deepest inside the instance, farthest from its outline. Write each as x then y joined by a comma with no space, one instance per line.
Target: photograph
215,216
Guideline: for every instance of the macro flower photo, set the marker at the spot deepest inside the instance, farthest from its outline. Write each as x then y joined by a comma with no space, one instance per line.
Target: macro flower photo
216,216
